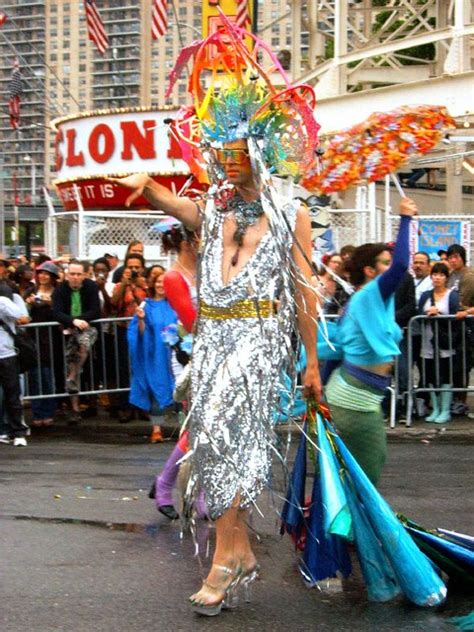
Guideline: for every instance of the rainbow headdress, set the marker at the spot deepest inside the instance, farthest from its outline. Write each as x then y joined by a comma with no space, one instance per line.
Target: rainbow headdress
235,98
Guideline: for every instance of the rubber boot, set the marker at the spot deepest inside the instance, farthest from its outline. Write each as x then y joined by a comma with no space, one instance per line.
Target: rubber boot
434,405
446,399
165,483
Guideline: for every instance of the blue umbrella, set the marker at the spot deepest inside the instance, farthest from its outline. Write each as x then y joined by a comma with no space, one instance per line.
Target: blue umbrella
378,573
454,558
292,515
337,517
415,574
324,554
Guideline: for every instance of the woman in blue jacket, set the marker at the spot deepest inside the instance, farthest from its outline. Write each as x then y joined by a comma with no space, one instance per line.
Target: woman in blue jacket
369,341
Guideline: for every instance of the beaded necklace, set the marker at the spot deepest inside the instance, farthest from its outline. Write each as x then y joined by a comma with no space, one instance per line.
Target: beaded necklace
246,214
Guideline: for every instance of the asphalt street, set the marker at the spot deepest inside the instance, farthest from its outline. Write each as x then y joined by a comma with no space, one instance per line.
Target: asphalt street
82,547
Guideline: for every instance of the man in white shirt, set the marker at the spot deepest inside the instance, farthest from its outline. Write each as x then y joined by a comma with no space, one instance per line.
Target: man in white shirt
421,270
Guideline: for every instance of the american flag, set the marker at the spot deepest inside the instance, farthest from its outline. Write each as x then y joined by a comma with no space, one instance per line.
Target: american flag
3,18
243,18
95,26
15,89
159,18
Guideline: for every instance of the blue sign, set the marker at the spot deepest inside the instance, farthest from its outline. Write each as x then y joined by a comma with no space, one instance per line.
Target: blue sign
434,235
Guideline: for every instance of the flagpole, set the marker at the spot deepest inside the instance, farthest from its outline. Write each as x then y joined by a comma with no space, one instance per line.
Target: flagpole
2,204
16,217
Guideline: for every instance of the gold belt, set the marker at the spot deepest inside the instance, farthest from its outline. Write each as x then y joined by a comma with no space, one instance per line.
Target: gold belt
240,309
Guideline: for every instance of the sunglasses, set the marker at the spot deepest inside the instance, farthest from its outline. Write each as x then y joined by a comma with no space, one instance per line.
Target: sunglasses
238,156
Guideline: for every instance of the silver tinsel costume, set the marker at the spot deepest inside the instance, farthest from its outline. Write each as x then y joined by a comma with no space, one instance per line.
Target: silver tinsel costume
237,362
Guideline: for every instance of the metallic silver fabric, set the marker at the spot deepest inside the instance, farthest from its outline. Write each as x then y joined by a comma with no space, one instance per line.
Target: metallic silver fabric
237,365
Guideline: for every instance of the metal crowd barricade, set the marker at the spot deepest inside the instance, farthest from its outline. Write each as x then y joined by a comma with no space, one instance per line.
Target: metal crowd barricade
101,372
459,362
104,366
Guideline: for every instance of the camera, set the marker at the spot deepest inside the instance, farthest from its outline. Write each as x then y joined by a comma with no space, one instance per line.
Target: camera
134,275
101,276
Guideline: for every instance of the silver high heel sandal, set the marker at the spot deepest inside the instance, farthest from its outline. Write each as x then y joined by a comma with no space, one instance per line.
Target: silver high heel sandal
247,579
213,609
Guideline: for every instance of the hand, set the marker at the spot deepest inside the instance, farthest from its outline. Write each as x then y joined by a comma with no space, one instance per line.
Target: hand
100,282
31,299
432,311
462,314
136,182
312,383
140,312
140,282
23,320
126,276
408,207
80,324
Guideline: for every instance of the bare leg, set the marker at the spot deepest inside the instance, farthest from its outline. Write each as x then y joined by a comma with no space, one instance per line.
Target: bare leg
242,548
216,583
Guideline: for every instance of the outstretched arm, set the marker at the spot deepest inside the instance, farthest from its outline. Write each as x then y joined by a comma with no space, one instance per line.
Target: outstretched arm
305,298
161,198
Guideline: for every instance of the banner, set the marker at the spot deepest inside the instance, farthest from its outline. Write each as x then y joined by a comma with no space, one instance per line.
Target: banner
438,234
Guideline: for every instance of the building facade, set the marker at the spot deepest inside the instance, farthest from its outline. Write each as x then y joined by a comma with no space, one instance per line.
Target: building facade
62,72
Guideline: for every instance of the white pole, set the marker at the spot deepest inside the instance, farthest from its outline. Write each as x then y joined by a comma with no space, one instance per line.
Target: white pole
50,241
80,224
33,182
372,209
388,211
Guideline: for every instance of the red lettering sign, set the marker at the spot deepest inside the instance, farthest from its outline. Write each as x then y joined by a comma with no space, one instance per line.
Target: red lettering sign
133,138
58,155
73,159
101,131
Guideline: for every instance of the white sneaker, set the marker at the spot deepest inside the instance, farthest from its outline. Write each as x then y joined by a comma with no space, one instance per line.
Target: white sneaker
19,442
4,439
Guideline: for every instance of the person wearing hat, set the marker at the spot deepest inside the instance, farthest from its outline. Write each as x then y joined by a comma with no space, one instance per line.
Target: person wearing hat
113,259
38,299
443,255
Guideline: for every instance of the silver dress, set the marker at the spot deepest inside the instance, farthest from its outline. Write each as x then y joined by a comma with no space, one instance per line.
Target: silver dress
237,365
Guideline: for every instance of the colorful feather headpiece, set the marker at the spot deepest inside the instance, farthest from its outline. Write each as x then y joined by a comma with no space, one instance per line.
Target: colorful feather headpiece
235,98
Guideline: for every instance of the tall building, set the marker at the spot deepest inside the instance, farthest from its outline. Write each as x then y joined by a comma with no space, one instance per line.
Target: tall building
62,72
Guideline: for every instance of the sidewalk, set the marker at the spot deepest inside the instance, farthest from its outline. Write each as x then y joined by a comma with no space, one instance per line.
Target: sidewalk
103,429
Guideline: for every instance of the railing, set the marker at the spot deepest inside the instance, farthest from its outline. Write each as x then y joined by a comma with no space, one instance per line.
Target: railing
106,369
459,363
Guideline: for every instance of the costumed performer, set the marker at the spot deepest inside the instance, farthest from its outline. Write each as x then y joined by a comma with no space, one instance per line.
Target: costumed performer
256,247
181,292
369,337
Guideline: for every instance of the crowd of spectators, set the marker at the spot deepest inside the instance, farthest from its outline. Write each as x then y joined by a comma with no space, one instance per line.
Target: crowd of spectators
79,355
442,352
76,354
